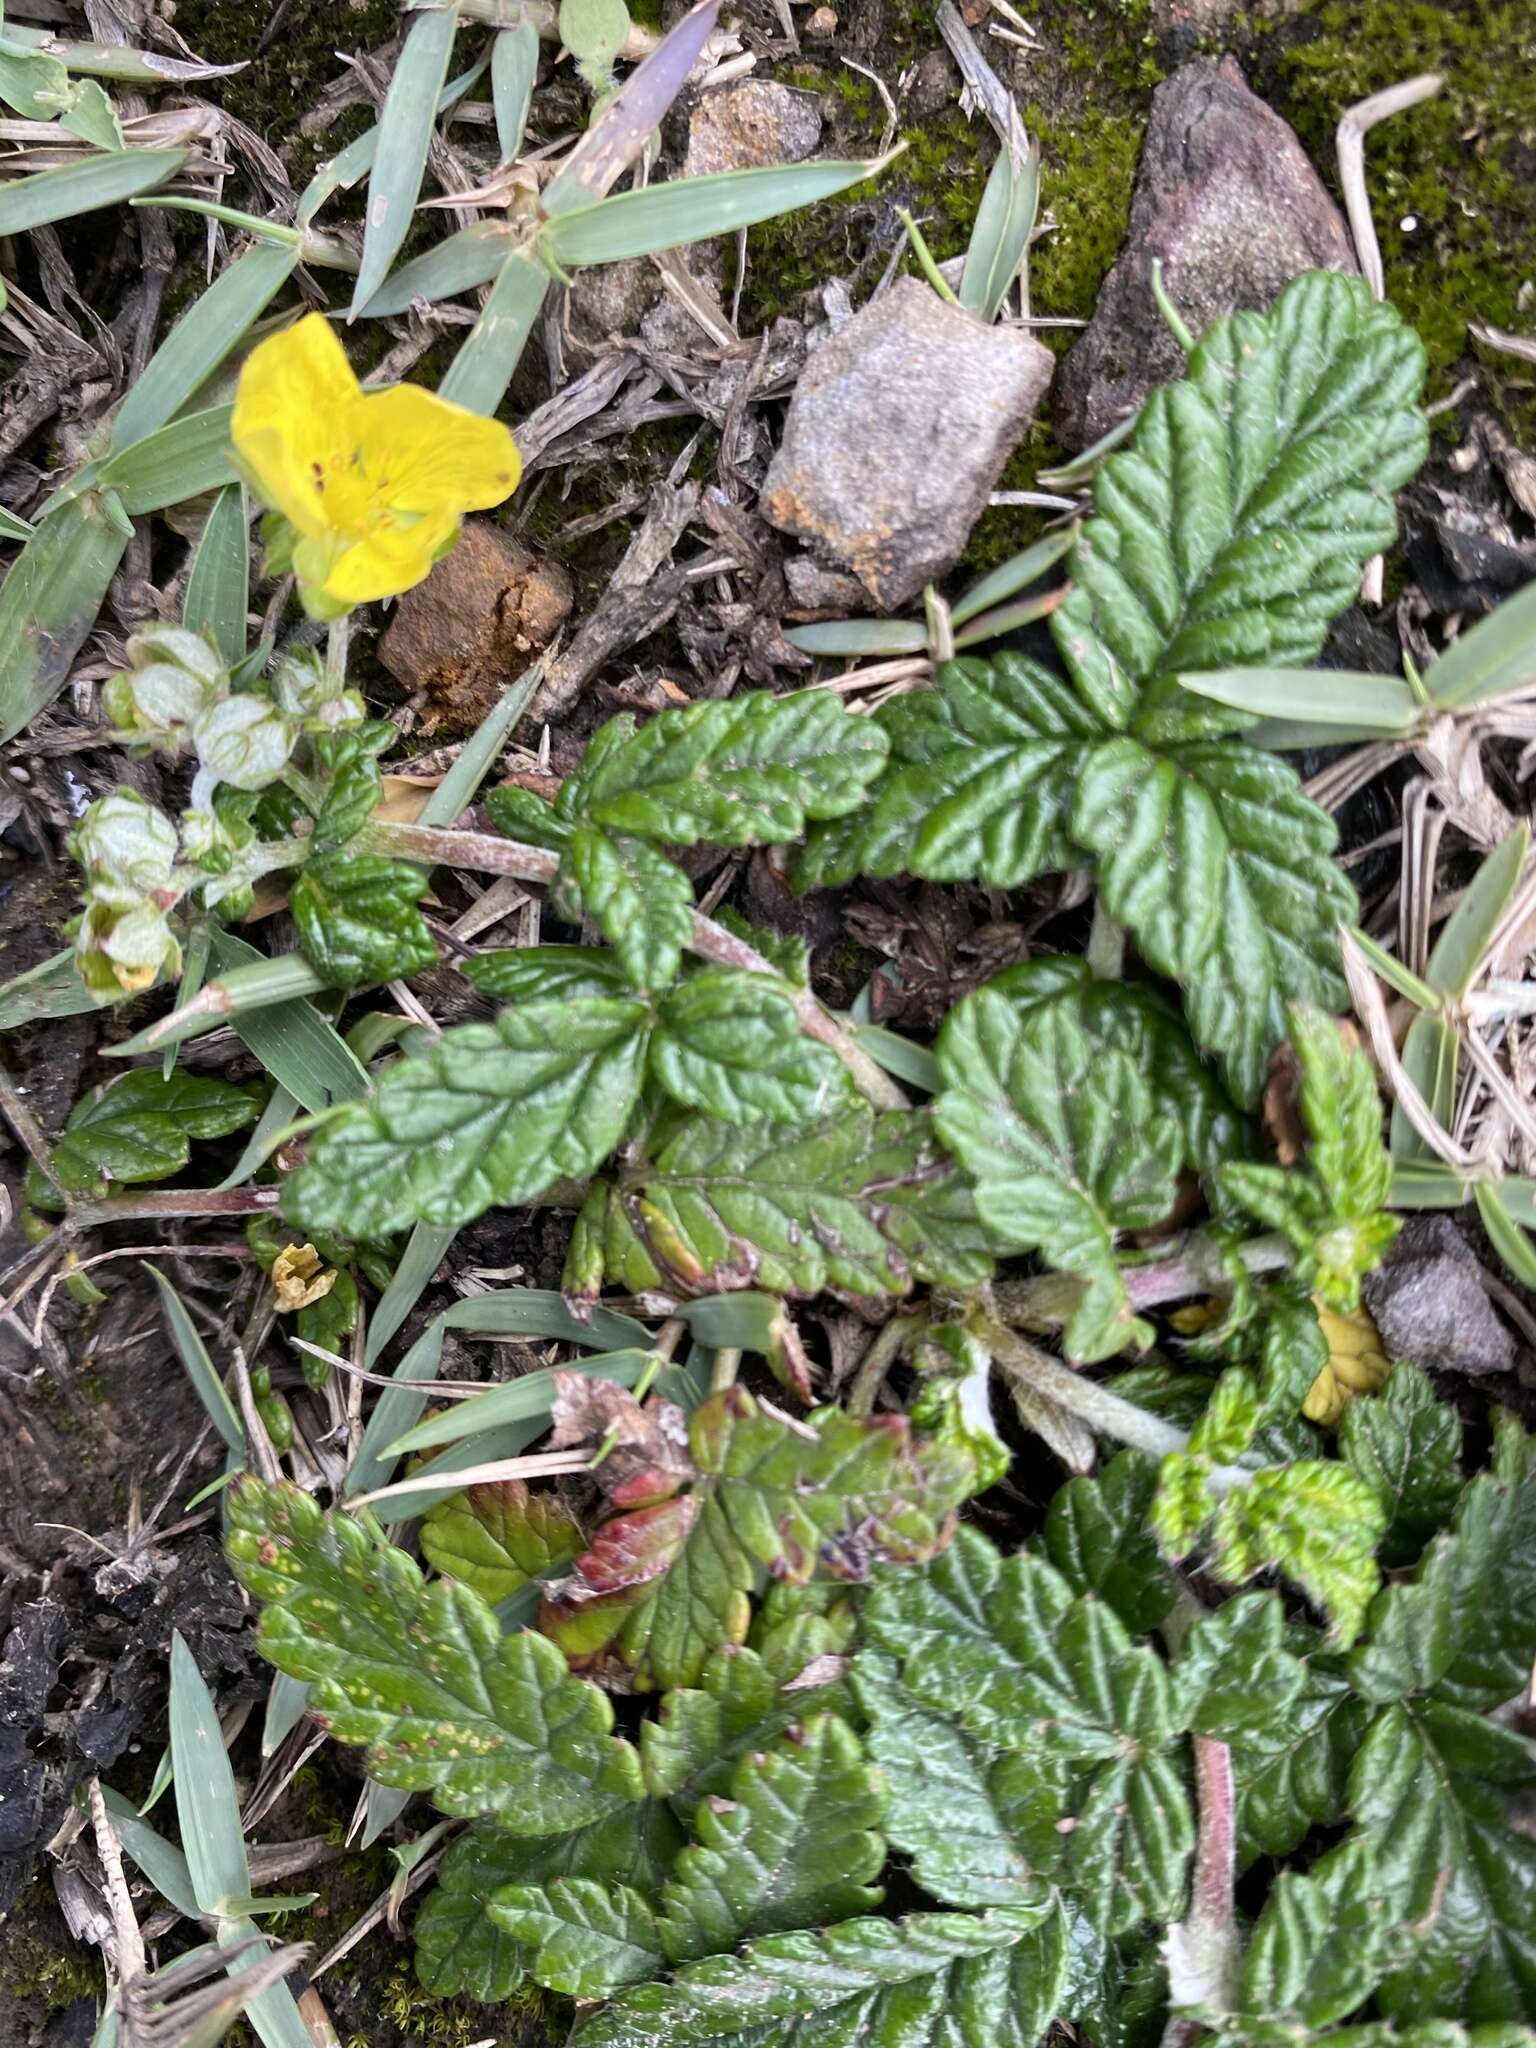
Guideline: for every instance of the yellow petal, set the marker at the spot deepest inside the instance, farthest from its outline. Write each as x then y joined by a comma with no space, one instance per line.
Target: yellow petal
388,561
294,419
1326,1399
422,454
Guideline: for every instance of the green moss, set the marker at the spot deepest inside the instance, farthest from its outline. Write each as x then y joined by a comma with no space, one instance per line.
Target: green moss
1460,167
41,1962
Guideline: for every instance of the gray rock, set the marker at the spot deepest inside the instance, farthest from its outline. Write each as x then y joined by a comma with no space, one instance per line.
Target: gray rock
609,299
1228,200
898,430
815,589
748,126
1428,1300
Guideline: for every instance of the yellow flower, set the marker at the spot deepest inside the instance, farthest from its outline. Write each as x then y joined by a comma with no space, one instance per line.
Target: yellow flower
373,485
1356,1365
298,1279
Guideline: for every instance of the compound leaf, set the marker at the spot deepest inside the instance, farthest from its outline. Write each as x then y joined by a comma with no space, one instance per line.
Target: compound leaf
1236,1670
1323,1942
422,1674
730,1043
1315,1521
357,919
863,1203
748,772
491,1115
1233,528
141,1127
1096,1536
1291,1772
1065,1144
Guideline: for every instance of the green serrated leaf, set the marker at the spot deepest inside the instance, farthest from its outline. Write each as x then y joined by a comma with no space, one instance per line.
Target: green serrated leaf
1065,1145
1236,1672
141,1128
747,772
584,1937
1291,1774
977,1824
531,974
1096,1536
738,1706
1405,1443
1463,1626
1431,1787
1323,1941
794,1845
1003,1647
460,1948
862,1202
497,1537
357,919
493,1114
640,901
491,1725
664,1586
1221,868
1318,1523
935,1980
356,787
731,1044
979,783
1234,527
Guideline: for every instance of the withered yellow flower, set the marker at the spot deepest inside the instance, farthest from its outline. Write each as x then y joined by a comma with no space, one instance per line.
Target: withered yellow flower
1356,1365
372,484
300,1277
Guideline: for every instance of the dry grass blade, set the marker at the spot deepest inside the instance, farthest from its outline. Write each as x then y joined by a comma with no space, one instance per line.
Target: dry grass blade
1372,1012
192,2002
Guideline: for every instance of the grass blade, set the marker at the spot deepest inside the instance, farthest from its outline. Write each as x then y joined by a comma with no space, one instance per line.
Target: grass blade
109,60
274,2012
1417,1185
397,1408
1468,931
525,1400
899,1056
219,581
357,159
384,1804
425,1251
301,1052
287,1703
202,338
472,256
49,602
1012,576
1007,618
97,181
1505,1234
405,133
281,1110
51,989
485,365
456,792
13,527
859,636
514,66
1498,655
1430,1053
999,243
198,1366
212,1839
159,1860
1395,974
248,987
693,210
616,139
177,462
1383,707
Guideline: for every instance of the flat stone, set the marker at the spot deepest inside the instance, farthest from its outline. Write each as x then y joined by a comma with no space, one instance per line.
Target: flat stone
459,638
750,125
898,430
1229,202
815,589
1428,1300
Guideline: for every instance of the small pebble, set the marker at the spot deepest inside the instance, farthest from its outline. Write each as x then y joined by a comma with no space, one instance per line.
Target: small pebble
822,26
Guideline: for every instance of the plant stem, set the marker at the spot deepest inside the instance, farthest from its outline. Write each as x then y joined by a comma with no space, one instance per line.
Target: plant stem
336,640
1203,1951
1199,1266
1108,1413
878,1360
727,1365
171,1203
488,853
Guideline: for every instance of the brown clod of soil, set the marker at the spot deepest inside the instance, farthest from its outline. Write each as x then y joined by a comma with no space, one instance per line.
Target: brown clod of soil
899,429
472,627
1229,202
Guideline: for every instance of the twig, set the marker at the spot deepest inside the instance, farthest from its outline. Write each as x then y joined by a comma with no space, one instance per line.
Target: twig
25,1125
879,1358
1202,1950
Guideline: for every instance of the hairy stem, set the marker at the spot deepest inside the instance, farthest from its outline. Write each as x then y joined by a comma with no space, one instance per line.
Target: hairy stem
169,1204
1203,1951
1199,1266
896,1337
336,641
1108,1413
488,853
